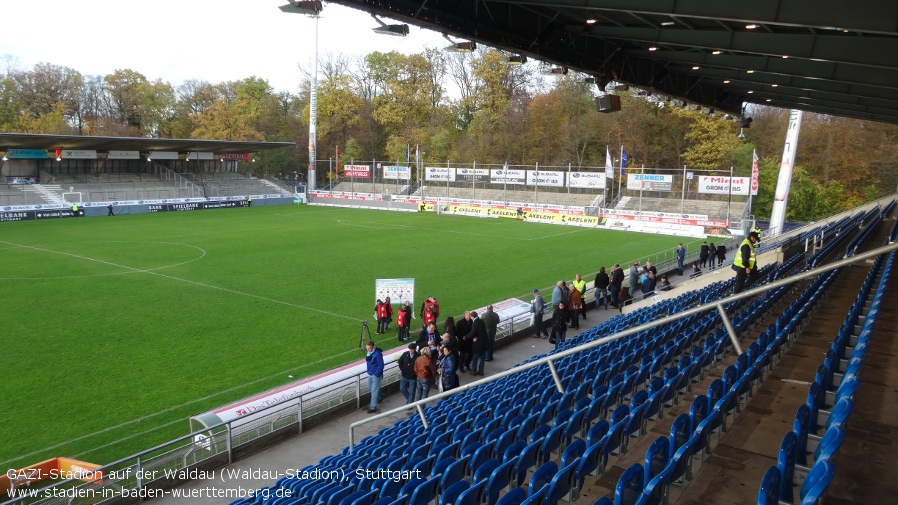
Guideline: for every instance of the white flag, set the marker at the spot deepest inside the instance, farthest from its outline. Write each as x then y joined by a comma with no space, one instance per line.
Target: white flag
609,167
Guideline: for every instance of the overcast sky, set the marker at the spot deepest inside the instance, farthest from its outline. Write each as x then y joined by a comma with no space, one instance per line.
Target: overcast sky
176,40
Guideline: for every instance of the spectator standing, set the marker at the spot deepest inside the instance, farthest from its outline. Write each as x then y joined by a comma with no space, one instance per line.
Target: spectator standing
389,320
449,327
559,324
713,256
634,278
722,254
703,254
537,308
651,270
580,284
374,362
491,320
557,296
617,281
448,377
425,374
647,283
479,343
601,284
380,311
426,334
403,320
431,307
575,306
408,378
681,257
463,327
745,262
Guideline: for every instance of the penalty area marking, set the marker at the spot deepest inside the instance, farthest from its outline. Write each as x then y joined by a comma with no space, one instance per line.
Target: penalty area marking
382,226
187,281
126,272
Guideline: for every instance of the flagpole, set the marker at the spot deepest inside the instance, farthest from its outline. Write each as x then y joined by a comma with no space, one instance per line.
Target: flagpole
620,174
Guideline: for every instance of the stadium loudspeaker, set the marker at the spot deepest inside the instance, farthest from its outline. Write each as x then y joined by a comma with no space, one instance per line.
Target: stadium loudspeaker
608,103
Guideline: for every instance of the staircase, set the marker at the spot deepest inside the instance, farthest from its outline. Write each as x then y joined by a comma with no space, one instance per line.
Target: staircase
277,187
49,193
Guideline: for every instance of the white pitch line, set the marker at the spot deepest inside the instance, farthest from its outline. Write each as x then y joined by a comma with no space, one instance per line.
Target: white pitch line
188,281
364,224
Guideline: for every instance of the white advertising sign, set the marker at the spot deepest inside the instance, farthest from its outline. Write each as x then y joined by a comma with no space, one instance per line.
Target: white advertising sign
78,154
593,180
439,174
545,178
649,182
123,155
401,173
163,155
200,156
399,290
724,186
508,176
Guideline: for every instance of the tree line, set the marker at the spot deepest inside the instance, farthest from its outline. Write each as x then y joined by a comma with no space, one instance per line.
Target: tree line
374,106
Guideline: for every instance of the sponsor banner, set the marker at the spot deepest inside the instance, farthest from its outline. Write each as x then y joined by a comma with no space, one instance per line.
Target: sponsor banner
679,230
123,155
235,157
724,185
754,172
666,215
162,155
542,217
21,180
506,176
342,195
357,171
502,212
650,182
194,155
473,174
545,178
579,220
586,180
399,290
400,173
180,207
469,210
426,207
78,154
611,214
439,174
27,153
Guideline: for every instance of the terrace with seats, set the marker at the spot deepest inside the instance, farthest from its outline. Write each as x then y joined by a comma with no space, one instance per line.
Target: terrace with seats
671,414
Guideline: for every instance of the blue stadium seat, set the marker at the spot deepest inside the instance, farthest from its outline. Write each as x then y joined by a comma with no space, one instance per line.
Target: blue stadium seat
816,482
630,485
542,477
785,463
560,485
514,497
768,494
451,494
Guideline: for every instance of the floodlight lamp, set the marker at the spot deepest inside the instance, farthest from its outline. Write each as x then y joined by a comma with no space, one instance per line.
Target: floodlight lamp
5,158
514,59
309,8
462,47
400,30
741,135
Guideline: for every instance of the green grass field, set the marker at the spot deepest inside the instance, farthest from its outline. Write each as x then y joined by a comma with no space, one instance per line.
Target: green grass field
121,328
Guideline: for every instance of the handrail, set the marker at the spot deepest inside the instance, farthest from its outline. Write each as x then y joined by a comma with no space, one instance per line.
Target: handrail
549,360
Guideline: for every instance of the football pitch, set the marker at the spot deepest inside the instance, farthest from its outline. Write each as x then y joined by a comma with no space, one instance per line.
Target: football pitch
115,330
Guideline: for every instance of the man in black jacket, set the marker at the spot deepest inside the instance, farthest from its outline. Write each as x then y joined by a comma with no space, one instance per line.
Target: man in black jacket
601,285
479,343
462,328
617,279
408,379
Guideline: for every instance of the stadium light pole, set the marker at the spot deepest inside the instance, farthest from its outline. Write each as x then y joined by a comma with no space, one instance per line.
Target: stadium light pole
313,9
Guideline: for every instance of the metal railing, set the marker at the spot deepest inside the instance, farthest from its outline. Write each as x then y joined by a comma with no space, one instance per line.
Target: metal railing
550,360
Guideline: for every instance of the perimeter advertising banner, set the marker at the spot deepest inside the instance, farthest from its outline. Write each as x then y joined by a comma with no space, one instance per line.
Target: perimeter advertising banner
508,176
357,171
545,178
473,174
649,182
724,185
400,173
593,180
439,174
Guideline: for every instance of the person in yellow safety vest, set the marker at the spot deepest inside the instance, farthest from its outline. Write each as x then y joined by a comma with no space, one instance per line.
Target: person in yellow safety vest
580,285
249,201
746,261
74,209
757,230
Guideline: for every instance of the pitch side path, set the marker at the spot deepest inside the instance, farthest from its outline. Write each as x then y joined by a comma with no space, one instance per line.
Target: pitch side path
226,484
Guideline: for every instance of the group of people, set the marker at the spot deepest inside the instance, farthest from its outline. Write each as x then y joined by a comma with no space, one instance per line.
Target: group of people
709,252
568,307
434,360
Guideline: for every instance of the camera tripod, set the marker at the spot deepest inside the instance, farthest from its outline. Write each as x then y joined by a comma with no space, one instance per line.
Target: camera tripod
363,333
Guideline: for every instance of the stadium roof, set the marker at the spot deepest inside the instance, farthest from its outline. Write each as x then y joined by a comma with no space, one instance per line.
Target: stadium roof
825,56
35,141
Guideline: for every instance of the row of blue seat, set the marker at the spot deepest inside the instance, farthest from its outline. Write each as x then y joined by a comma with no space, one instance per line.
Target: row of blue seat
830,389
